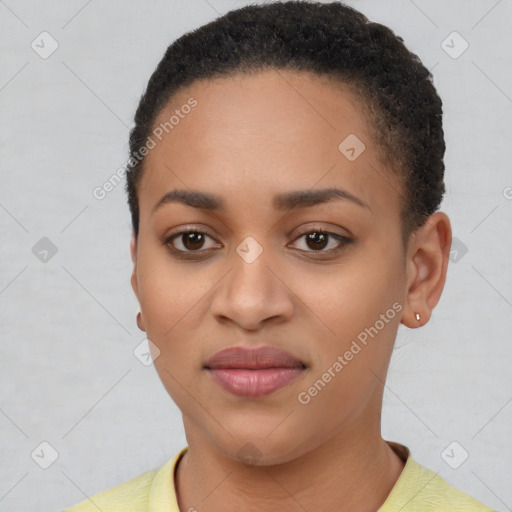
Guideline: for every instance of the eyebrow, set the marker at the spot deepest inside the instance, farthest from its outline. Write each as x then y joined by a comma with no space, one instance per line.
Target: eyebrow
284,202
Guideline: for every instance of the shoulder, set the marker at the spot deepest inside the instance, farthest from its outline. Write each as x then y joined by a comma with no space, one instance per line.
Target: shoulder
131,496
151,490
434,493
419,489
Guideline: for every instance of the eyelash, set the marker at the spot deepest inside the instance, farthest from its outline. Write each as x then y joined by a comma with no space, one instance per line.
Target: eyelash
178,253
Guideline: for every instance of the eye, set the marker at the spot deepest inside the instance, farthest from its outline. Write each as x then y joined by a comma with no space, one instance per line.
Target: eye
191,240
319,239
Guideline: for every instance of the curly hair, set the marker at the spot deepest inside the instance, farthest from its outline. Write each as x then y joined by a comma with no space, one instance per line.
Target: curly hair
330,40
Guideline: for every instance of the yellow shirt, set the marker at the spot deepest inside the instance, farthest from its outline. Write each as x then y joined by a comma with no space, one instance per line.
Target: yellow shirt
417,490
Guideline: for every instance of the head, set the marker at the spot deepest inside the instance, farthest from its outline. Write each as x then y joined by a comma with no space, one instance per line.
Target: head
304,146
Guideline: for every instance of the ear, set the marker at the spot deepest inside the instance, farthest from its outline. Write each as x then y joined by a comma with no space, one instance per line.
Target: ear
133,254
134,280
427,263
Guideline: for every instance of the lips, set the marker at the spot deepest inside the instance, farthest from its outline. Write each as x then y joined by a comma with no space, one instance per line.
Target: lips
253,359
253,372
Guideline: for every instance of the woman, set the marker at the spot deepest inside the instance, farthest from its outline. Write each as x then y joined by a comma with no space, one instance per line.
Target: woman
284,183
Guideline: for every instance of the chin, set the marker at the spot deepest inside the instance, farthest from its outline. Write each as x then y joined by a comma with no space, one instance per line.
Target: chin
257,448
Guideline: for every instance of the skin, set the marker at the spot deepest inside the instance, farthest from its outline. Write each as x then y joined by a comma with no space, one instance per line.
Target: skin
249,138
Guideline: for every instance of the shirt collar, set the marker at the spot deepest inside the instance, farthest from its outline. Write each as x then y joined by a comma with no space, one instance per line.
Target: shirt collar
162,496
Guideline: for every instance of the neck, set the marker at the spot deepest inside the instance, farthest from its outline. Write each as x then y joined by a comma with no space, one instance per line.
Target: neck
336,476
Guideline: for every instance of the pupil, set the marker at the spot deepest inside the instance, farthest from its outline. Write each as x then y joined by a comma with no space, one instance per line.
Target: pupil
193,240
317,238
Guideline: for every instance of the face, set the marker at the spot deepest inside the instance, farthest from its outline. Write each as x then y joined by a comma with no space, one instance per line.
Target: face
271,259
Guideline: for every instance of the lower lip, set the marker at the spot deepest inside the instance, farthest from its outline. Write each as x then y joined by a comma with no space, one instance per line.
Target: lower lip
254,383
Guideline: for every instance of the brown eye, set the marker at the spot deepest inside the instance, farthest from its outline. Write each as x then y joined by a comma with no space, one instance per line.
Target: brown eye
317,240
188,241
193,240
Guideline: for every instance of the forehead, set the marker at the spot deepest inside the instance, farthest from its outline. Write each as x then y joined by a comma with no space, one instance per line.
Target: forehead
255,135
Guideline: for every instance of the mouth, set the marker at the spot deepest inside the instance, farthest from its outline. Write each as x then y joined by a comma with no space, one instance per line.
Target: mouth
255,372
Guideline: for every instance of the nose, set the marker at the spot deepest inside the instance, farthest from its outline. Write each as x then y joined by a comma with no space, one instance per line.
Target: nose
253,294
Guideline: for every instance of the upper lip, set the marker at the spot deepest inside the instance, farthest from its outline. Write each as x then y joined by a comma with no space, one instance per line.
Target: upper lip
253,358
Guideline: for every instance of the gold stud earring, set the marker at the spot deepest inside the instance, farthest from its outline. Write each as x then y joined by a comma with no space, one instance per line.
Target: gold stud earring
418,317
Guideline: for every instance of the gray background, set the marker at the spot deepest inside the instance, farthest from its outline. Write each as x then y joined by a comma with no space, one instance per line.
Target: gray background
68,374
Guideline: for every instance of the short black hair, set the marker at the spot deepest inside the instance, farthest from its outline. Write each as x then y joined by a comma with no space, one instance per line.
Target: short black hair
327,39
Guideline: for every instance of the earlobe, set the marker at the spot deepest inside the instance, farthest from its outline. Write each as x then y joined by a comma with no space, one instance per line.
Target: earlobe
427,263
140,322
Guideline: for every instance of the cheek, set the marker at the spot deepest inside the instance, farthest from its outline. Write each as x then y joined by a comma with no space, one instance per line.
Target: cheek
348,298
171,293
360,304
173,298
